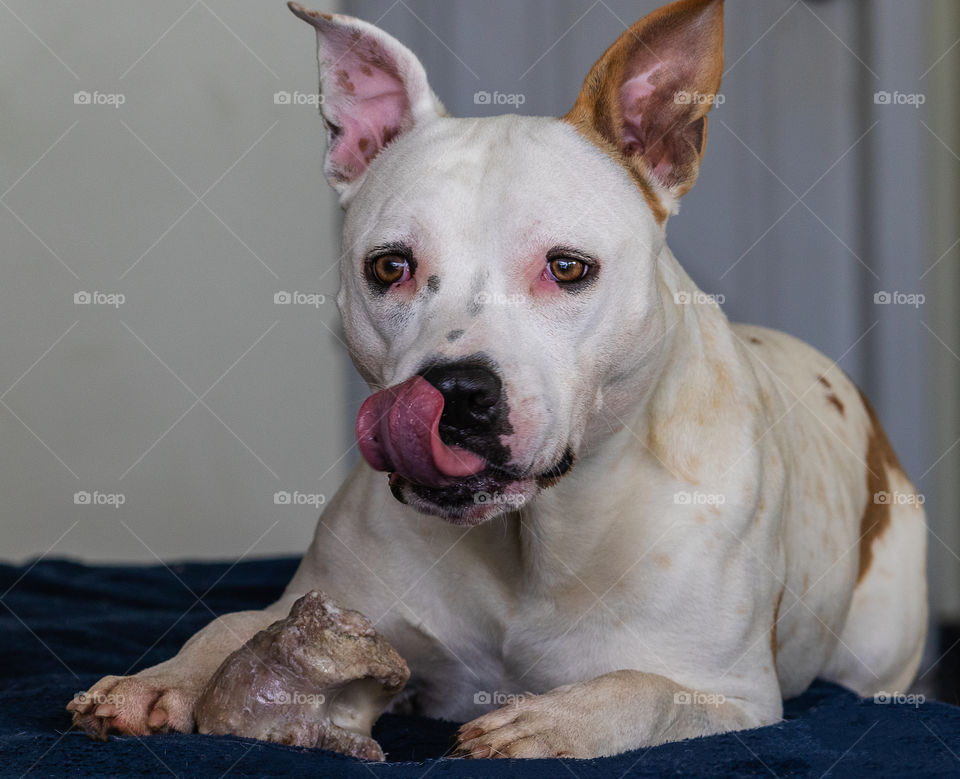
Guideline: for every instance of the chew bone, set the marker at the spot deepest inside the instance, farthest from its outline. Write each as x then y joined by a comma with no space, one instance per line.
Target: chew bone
318,678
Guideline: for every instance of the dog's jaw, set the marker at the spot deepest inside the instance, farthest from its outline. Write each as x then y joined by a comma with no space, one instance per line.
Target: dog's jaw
482,497
479,507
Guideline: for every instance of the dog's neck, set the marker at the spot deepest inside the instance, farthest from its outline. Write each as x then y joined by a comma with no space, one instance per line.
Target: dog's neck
561,532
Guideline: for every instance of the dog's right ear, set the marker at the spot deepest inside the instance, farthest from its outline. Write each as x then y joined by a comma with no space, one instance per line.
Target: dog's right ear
373,89
646,99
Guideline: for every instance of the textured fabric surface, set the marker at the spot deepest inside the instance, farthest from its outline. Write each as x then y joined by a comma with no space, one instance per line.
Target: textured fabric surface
64,625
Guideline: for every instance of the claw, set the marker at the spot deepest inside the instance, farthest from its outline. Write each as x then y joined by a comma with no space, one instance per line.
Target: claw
105,710
157,719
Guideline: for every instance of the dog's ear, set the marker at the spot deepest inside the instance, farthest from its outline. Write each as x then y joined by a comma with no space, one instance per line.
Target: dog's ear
372,87
648,96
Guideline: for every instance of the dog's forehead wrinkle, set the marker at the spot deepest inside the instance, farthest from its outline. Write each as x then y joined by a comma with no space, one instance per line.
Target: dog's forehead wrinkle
505,155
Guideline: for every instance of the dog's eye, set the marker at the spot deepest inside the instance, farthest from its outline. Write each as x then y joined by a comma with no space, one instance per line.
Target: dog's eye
390,269
567,270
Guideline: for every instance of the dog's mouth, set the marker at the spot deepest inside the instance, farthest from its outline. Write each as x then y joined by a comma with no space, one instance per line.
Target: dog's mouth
481,496
399,430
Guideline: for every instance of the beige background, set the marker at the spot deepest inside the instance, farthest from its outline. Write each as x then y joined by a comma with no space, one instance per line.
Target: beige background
103,198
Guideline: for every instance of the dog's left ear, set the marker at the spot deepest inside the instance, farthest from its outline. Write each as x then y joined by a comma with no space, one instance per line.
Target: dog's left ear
373,89
647,98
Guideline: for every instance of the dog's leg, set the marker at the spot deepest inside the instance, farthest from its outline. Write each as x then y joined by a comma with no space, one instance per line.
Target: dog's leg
161,698
613,713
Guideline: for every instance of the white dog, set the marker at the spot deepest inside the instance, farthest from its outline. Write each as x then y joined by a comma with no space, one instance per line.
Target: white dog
659,523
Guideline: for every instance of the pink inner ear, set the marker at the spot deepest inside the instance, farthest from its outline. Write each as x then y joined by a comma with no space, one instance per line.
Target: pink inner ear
365,98
633,98
658,125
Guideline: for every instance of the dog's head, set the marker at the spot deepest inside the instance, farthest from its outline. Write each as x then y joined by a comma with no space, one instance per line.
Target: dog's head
499,285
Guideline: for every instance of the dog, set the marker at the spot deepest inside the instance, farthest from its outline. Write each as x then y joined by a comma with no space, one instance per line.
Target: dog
584,492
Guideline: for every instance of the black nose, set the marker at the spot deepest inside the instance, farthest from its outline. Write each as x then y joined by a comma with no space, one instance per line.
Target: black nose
471,395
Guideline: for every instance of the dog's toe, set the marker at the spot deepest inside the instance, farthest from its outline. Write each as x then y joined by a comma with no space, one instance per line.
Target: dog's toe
132,706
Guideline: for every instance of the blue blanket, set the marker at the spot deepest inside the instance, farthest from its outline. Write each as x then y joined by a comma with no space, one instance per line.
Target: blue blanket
63,625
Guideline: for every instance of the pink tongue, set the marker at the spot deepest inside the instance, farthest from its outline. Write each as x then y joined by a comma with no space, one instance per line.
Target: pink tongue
397,430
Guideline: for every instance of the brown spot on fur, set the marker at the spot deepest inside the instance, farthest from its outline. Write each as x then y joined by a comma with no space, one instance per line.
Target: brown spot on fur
344,82
821,491
683,456
824,382
365,69
774,626
363,143
389,133
755,340
876,516
723,385
836,402
680,465
663,560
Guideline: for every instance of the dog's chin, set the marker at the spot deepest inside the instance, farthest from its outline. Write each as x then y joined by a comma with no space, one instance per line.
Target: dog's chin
469,502
477,499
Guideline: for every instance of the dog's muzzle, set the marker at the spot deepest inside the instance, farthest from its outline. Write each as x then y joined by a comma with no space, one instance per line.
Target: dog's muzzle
437,428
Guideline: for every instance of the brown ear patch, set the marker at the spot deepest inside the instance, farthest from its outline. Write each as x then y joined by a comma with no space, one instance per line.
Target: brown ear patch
642,101
876,515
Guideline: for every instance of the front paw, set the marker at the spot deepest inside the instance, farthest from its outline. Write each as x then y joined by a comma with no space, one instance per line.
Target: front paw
133,705
532,726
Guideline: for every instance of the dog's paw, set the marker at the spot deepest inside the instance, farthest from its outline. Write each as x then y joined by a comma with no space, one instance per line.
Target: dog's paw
534,726
133,705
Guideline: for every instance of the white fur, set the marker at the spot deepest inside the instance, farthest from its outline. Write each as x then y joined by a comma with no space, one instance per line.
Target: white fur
607,595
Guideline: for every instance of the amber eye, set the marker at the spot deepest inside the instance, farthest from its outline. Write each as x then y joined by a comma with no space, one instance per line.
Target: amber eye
567,270
389,269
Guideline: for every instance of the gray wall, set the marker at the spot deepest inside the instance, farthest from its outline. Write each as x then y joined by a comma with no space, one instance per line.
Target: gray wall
102,198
